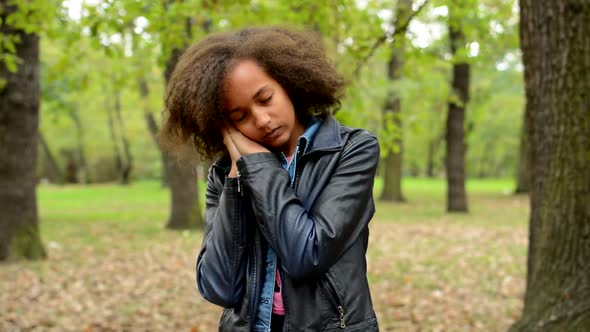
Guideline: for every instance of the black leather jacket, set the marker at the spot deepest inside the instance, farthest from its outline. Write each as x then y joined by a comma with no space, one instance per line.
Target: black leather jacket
318,229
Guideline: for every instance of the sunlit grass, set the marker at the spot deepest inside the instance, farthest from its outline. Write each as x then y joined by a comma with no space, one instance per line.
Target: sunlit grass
491,202
100,215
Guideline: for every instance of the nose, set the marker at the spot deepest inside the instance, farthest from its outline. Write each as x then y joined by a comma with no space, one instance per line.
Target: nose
261,118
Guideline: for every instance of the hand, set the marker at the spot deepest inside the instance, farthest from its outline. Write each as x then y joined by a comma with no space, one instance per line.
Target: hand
243,144
239,145
234,153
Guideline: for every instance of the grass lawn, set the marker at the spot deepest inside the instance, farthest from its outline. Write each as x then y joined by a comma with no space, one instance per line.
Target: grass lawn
112,266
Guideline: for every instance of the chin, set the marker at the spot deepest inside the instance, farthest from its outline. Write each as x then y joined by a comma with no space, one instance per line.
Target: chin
283,145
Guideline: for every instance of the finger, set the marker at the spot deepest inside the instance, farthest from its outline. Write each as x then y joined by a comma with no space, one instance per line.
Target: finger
230,144
232,131
224,133
238,139
228,133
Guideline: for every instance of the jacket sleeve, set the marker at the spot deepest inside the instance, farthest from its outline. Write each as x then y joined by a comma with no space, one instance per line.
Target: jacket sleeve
221,264
310,242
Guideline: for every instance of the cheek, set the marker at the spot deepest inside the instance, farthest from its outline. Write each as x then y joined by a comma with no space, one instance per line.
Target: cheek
241,127
291,117
247,130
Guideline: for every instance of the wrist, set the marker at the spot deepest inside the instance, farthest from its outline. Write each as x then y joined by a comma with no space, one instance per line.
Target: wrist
233,172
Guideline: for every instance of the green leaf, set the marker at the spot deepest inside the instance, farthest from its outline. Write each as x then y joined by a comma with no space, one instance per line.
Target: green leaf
12,62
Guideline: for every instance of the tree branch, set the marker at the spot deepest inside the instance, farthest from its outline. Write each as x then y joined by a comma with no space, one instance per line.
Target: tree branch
398,30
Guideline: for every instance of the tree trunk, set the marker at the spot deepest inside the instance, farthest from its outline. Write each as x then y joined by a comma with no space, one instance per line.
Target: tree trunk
555,41
455,136
523,180
392,168
50,166
117,158
82,167
433,145
185,210
127,166
486,163
152,125
19,127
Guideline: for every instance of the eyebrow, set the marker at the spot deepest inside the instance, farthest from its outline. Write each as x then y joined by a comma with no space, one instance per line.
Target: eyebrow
264,87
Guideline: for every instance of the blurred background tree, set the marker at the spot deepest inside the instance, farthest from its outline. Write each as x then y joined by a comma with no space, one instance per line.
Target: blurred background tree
20,26
105,64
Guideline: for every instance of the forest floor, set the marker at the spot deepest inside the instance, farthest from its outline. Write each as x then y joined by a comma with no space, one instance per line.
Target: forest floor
112,267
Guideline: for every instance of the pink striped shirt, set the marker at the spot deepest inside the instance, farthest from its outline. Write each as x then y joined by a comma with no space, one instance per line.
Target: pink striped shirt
278,307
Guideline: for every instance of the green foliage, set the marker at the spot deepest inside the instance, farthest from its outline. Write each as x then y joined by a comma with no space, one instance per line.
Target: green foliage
496,95
31,16
11,61
28,16
116,43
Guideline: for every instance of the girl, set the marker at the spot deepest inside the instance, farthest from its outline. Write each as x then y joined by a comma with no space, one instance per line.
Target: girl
289,201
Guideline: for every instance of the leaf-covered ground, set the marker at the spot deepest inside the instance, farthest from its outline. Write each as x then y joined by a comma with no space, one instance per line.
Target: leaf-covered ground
445,273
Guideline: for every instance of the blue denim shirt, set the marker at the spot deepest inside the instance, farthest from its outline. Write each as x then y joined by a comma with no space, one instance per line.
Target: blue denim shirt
264,311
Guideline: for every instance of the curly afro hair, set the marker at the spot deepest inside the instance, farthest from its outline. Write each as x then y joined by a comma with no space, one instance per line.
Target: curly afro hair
194,100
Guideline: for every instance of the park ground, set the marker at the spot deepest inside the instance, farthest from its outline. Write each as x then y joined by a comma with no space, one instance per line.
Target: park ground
111,266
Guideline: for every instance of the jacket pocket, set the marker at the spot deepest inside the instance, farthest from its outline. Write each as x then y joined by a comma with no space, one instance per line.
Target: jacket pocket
330,293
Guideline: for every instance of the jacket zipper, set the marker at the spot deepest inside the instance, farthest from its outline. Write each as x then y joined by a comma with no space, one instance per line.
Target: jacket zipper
292,185
325,283
298,172
330,291
253,292
239,184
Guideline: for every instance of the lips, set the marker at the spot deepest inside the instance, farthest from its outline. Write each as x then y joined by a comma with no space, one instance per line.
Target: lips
272,134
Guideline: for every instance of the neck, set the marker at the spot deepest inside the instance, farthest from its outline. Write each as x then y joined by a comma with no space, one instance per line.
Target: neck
298,130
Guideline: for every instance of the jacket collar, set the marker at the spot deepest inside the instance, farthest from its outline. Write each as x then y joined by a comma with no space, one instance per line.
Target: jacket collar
328,136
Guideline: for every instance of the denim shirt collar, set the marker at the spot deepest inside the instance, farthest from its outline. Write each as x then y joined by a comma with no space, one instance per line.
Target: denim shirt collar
308,135
326,136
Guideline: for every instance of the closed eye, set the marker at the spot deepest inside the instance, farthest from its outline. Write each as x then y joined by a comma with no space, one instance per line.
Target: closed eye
266,100
237,116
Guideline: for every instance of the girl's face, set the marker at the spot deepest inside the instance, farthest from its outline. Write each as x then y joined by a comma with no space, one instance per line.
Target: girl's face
260,108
